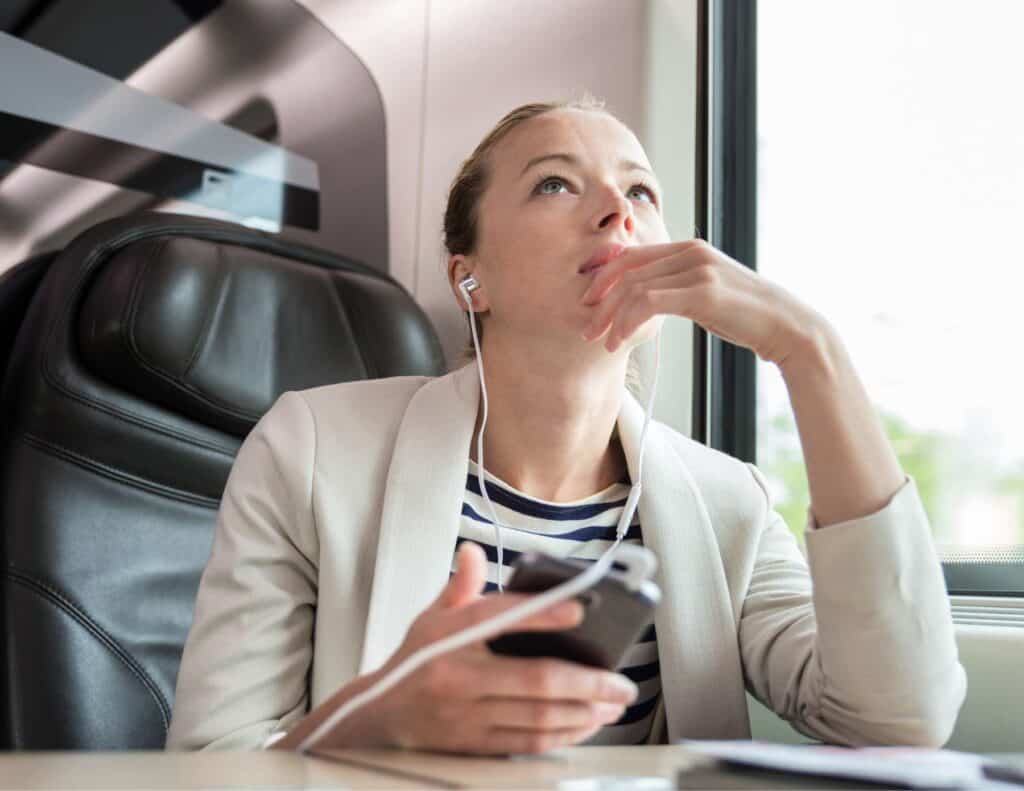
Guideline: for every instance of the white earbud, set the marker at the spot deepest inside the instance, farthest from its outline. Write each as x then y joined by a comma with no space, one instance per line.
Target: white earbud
468,284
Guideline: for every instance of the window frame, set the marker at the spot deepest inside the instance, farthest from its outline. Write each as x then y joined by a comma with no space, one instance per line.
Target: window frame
724,412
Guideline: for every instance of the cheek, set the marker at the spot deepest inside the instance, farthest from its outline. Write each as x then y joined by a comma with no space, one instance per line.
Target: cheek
655,229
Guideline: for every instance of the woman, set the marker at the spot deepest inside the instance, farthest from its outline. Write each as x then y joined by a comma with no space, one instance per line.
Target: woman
346,504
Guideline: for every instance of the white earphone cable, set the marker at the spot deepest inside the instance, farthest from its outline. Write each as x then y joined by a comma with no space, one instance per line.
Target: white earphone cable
481,470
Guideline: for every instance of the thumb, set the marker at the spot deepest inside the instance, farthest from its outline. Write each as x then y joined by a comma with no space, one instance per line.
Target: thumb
469,578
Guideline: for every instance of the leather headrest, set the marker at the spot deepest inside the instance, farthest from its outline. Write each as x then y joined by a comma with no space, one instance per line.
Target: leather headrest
217,331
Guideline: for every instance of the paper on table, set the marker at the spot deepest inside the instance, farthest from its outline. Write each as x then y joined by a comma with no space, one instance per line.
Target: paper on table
907,766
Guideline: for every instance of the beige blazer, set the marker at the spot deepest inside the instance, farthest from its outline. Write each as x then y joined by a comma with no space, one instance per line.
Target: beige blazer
338,525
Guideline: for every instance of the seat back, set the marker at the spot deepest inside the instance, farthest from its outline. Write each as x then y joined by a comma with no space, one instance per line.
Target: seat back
152,346
17,287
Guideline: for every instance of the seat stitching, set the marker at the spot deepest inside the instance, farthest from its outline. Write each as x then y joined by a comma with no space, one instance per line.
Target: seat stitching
204,333
179,383
357,317
343,308
106,471
251,240
47,591
128,326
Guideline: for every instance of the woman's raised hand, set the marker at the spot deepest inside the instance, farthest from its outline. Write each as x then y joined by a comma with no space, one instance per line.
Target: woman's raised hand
695,280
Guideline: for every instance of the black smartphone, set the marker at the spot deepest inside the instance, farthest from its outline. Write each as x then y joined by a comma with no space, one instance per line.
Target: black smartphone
617,610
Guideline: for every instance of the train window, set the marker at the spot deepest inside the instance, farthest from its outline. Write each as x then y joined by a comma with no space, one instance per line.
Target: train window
890,181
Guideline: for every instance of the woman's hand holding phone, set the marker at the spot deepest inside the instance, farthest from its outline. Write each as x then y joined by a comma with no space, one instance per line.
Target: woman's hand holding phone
474,701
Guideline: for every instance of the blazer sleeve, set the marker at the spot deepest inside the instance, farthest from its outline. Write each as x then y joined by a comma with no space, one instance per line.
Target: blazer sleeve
245,668
855,645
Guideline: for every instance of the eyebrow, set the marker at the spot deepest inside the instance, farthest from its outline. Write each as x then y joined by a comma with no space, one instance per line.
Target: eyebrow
624,164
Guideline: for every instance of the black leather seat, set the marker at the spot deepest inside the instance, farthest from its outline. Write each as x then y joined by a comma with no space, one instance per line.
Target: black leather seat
152,346
17,287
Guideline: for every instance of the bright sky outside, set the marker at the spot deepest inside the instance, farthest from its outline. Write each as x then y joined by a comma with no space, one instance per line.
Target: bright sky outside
891,191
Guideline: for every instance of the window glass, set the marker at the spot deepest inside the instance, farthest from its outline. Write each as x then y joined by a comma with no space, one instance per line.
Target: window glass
890,194
215,109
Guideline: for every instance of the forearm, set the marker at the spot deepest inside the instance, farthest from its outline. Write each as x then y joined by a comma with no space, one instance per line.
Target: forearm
360,729
852,470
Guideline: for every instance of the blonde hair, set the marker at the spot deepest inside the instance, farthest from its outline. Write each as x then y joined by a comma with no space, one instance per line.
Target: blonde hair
461,216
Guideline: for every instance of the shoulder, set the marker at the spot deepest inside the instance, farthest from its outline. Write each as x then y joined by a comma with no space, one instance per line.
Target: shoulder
362,398
300,420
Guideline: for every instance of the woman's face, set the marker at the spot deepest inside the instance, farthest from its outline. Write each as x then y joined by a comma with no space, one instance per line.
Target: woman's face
563,186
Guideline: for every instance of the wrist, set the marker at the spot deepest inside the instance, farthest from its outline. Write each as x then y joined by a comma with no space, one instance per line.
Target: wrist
815,349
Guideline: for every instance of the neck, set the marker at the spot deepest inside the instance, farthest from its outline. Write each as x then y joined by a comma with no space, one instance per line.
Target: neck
550,433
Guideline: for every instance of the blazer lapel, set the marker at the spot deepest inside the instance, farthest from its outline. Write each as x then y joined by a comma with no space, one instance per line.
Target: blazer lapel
420,520
701,674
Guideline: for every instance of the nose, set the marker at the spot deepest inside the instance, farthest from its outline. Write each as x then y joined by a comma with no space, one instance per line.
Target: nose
616,211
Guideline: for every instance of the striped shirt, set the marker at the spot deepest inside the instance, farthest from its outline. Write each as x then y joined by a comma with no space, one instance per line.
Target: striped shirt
578,529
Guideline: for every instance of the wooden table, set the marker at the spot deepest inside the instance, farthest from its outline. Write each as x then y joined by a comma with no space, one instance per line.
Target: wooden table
159,770
541,772
353,769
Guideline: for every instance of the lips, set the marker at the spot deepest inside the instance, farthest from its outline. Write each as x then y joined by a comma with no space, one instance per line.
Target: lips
602,256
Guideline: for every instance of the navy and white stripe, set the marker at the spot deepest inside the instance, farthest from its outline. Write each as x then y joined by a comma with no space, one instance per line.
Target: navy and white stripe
580,529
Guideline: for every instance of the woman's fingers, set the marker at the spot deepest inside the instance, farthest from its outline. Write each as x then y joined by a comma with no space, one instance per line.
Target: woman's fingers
634,297
547,715
660,257
663,295
544,678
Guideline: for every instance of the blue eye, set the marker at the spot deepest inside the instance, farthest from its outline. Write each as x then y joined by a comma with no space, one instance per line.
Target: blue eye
551,178
645,188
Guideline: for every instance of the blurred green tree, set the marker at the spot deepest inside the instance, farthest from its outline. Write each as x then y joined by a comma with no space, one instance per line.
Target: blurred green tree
924,455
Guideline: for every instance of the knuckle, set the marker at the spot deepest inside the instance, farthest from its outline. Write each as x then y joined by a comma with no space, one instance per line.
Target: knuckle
710,295
706,269
708,279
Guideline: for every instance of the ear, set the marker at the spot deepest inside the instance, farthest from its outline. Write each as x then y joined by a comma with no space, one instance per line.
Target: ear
459,266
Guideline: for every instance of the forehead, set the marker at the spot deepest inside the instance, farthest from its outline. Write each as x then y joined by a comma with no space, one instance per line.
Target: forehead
592,136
